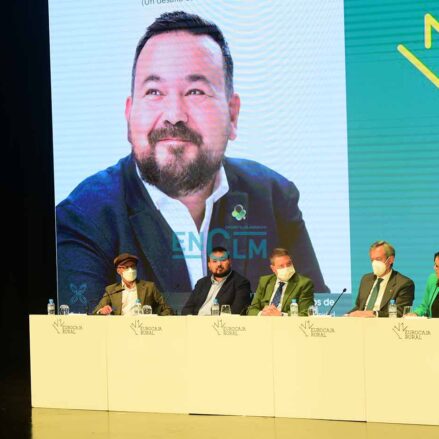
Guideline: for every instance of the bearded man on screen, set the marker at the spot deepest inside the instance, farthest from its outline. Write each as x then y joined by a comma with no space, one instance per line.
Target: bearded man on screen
176,196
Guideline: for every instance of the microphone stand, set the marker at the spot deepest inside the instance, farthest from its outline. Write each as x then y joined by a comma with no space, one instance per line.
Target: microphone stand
335,303
108,295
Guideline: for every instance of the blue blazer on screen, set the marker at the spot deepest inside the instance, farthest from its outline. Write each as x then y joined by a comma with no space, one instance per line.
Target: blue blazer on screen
111,212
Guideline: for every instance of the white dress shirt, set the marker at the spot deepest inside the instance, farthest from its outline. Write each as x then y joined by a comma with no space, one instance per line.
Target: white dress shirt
383,285
213,292
193,242
129,297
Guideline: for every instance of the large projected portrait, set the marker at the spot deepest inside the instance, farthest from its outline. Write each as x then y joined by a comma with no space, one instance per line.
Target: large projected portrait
178,190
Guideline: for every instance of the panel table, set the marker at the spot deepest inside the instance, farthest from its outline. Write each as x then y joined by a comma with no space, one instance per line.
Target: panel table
319,368
230,367
402,369
68,361
147,364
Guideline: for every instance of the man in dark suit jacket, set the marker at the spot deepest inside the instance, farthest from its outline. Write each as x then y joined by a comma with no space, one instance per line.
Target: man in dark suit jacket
224,284
276,291
378,288
178,148
119,298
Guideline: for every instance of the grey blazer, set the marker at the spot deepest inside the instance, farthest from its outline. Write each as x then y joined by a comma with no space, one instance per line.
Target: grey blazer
399,287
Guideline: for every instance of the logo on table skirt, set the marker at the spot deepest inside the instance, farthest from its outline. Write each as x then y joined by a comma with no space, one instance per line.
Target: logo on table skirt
403,332
222,328
61,328
139,328
311,330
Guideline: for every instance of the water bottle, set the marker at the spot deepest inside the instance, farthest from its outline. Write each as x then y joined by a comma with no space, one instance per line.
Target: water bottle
294,308
137,308
215,309
51,307
393,310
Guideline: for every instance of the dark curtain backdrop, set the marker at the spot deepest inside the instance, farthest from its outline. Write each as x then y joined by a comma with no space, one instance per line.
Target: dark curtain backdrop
28,259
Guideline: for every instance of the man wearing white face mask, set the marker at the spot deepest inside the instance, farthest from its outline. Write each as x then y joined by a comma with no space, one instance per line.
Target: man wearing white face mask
275,291
120,298
382,285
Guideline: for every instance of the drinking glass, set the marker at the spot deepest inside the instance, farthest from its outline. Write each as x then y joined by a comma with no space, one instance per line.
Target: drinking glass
146,310
313,311
64,310
225,309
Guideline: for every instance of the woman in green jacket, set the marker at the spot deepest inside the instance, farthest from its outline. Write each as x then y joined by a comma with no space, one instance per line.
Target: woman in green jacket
430,303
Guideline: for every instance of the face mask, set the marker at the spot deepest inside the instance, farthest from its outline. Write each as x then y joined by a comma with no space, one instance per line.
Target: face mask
285,274
379,267
130,274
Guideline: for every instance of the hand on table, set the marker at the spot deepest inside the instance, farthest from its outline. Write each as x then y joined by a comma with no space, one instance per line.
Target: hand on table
362,314
270,310
105,310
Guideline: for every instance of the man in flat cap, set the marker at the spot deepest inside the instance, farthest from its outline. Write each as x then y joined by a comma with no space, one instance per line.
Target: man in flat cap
120,298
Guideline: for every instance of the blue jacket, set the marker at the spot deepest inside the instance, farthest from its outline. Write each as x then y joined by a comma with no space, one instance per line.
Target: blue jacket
111,212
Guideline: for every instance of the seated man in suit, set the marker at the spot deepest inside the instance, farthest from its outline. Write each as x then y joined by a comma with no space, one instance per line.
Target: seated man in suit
276,291
225,285
378,288
120,298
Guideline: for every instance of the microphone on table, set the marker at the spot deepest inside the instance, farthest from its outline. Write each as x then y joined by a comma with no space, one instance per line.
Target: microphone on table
110,294
335,303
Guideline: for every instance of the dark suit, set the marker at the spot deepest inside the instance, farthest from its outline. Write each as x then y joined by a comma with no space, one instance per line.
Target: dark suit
299,287
147,292
399,287
235,292
112,213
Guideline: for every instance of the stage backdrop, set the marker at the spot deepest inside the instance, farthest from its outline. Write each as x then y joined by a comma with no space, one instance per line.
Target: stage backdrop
327,100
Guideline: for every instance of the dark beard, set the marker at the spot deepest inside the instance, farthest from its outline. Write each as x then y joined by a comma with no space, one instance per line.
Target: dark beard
178,180
223,274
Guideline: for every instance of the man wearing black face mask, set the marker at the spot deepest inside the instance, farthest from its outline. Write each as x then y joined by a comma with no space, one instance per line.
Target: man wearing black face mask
225,285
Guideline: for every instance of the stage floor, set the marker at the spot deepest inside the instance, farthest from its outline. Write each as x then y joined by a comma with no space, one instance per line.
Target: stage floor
19,420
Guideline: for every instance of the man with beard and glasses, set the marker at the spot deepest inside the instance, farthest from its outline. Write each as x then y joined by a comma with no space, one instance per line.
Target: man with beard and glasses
224,284
176,196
